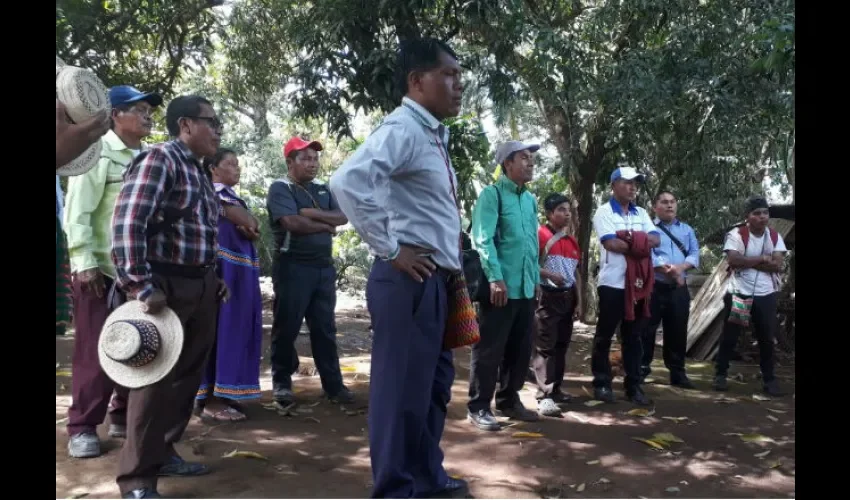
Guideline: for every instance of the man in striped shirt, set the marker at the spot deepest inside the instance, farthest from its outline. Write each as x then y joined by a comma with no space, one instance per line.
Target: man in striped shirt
164,250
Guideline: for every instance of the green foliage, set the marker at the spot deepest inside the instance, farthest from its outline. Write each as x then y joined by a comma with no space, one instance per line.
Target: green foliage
352,261
469,150
145,43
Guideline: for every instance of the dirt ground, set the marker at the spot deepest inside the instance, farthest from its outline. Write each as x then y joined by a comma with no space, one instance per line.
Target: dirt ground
733,446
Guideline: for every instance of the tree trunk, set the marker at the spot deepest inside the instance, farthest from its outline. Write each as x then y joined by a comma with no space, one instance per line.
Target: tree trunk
582,192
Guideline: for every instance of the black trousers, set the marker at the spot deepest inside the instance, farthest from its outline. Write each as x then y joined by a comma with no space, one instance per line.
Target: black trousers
305,292
502,355
552,335
670,308
612,309
764,322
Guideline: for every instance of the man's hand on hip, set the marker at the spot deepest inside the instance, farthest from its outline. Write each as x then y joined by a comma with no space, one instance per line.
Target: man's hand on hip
417,266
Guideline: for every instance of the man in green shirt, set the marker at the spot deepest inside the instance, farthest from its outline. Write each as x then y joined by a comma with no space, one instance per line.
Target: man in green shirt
504,232
88,224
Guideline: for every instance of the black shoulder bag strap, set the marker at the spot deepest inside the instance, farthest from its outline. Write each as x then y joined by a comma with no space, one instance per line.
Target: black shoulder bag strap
675,240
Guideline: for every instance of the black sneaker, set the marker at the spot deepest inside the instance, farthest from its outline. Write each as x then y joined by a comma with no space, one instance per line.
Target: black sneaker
519,412
484,420
283,396
682,382
142,493
772,389
562,397
454,488
604,394
720,384
639,398
344,396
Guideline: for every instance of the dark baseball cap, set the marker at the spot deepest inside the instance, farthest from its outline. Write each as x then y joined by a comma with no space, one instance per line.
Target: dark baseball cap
126,94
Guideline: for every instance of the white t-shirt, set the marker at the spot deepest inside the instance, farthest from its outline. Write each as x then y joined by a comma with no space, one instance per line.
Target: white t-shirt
752,281
607,220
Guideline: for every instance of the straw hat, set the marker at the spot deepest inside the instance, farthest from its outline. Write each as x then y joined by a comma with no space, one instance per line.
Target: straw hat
83,95
137,349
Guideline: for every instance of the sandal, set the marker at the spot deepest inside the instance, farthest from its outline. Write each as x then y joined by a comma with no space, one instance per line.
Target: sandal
224,415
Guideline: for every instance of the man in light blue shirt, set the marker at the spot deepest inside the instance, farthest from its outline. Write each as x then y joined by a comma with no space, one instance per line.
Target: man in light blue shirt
399,192
671,301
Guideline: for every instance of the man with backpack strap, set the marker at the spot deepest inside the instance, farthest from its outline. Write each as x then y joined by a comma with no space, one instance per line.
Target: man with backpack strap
504,232
671,301
560,304
751,297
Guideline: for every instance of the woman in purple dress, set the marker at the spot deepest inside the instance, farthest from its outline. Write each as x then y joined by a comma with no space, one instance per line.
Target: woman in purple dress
233,369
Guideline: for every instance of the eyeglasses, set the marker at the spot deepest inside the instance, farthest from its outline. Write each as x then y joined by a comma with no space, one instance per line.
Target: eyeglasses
213,122
143,113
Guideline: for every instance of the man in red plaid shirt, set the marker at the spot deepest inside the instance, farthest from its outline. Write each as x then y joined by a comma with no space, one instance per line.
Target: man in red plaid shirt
164,249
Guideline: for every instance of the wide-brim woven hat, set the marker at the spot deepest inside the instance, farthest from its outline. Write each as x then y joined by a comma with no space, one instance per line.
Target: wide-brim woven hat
83,95
137,349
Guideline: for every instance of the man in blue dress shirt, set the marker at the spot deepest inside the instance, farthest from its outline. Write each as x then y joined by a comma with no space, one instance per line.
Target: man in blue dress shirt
671,301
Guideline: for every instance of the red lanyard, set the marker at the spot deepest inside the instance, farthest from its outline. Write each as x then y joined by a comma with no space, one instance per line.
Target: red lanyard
445,156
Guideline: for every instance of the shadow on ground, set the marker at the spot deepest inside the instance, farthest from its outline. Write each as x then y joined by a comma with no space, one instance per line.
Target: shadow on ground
589,453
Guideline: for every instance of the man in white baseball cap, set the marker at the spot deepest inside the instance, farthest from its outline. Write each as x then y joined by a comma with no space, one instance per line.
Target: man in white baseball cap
504,232
506,150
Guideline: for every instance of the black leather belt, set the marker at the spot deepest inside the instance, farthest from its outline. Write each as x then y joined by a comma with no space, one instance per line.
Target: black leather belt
179,270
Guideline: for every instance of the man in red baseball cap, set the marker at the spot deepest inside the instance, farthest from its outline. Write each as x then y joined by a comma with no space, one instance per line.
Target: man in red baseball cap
304,217
299,144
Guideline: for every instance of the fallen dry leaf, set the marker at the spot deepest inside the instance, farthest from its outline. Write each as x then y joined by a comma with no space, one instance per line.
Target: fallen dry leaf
762,454
725,400
526,435
244,454
774,410
583,388
593,402
349,369
676,419
771,417
761,397
80,495
313,419
654,444
640,412
592,462
666,437
580,487
756,438
672,489
63,373
775,465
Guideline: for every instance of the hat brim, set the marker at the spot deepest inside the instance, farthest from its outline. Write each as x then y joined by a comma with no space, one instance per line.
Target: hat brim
151,98
82,163
82,93
171,345
312,144
638,177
